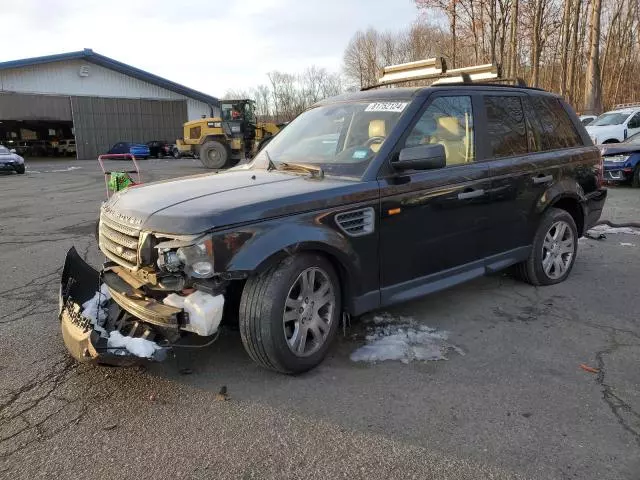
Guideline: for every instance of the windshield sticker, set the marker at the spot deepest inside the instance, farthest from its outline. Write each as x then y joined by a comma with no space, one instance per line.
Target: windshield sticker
360,154
386,107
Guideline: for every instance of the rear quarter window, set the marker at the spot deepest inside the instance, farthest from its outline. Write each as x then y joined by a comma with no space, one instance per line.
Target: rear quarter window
551,126
505,125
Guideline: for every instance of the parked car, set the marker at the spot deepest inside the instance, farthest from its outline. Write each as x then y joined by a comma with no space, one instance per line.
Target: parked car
67,147
10,161
160,149
622,161
587,119
615,126
363,201
136,149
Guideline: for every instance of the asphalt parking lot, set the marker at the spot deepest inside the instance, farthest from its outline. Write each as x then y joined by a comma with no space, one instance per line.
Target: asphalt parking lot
510,400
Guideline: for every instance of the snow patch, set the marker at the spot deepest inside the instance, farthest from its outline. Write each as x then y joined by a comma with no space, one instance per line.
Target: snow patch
626,244
140,347
95,309
68,169
606,229
401,338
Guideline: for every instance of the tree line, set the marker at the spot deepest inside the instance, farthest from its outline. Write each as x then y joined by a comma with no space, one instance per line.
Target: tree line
586,50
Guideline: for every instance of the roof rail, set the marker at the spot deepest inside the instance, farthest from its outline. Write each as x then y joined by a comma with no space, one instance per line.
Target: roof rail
436,69
626,105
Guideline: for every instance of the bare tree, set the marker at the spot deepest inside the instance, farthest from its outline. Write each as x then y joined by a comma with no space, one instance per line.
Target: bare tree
592,94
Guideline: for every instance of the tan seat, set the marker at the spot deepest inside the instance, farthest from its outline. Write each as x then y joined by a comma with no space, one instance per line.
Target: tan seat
377,128
450,135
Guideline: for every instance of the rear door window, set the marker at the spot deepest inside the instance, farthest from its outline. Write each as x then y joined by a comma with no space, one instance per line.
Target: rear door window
507,133
553,129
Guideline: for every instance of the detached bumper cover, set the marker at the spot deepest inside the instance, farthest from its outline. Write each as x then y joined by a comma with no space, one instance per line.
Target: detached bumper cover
79,283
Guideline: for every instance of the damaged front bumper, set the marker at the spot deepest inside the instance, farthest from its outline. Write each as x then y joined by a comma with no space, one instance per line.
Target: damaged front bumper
129,314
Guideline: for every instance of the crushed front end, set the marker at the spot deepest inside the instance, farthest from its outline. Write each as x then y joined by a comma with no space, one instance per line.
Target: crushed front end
152,292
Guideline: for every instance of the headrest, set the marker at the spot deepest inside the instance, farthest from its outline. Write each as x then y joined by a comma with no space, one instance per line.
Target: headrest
449,127
377,128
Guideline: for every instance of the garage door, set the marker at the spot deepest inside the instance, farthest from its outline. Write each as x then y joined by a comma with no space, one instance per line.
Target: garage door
101,122
19,106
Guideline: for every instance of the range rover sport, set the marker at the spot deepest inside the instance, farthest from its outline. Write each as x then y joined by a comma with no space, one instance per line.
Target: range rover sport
363,201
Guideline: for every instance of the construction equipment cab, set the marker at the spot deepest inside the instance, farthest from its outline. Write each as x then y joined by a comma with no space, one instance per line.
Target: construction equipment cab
222,142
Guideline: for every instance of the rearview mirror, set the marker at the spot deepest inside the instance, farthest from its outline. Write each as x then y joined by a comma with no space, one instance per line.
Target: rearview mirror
422,157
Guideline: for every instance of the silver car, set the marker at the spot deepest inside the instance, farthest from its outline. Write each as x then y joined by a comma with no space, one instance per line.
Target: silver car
10,161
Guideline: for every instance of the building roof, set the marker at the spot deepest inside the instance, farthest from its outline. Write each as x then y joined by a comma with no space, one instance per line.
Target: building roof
90,56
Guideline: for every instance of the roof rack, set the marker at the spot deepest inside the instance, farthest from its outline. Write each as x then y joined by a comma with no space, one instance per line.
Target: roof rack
626,105
436,68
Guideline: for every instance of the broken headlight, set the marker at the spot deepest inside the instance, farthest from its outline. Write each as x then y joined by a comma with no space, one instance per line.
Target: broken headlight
193,257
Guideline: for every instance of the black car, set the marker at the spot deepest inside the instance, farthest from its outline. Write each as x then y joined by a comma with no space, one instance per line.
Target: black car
363,201
160,149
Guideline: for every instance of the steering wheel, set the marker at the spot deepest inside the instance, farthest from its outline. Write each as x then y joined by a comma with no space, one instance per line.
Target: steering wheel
374,140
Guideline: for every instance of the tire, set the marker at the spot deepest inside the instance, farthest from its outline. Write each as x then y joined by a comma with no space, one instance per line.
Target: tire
566,248
268,336
635,182
20,170
214,155
176,154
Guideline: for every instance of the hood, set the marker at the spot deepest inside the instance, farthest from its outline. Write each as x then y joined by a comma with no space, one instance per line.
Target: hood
191,205
617,149
600,131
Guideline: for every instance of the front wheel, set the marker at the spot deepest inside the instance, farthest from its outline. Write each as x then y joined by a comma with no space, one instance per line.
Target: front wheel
20,169
554,250
289,314
214,155
635,182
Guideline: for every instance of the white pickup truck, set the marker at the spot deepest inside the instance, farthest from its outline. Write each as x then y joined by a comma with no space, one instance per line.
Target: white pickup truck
616,125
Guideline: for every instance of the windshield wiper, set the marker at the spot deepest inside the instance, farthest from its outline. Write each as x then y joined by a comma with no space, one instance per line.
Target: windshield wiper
314,170
271,165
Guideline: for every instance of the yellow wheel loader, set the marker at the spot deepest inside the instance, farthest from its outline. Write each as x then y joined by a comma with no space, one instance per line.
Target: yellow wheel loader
222,142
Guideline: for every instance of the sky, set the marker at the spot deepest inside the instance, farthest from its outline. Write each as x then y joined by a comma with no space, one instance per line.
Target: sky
211,46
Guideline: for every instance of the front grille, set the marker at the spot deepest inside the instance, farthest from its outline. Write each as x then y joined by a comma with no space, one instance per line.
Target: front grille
118,241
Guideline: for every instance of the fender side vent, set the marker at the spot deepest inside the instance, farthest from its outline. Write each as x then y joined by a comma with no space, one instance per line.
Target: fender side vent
357,222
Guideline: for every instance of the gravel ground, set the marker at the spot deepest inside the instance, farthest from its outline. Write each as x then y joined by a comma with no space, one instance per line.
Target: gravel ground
511,402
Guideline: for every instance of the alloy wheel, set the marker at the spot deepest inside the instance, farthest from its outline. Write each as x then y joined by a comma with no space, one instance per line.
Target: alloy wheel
308,312
558,250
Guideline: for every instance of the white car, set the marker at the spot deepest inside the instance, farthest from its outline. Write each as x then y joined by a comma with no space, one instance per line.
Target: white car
587,119
67,147
615,126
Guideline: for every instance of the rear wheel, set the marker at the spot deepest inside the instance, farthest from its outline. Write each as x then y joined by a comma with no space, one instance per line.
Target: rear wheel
214,155
289,314
554,250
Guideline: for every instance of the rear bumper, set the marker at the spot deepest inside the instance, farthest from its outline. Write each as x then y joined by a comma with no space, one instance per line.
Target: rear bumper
593,207
79,284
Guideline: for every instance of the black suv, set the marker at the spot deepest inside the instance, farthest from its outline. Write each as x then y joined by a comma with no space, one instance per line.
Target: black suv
363,201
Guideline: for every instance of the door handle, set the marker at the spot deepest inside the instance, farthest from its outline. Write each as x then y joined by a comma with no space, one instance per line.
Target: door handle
470,194
542,179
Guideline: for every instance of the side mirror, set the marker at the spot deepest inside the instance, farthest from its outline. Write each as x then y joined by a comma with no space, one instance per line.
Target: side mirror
422,157
13,150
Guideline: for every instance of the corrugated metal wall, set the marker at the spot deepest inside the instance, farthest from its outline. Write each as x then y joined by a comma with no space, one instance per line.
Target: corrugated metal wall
34,107
62,78
101,122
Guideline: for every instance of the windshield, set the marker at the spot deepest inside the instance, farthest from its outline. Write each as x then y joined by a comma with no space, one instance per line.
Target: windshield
342,138
633,139
4,150
613,118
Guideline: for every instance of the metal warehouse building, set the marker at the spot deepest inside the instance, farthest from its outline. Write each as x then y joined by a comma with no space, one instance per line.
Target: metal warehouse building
94,99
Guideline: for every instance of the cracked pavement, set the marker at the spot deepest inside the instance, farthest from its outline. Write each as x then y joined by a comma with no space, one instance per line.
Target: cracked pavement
516,405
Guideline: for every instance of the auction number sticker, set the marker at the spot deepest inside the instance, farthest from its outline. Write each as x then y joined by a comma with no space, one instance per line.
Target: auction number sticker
386,107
